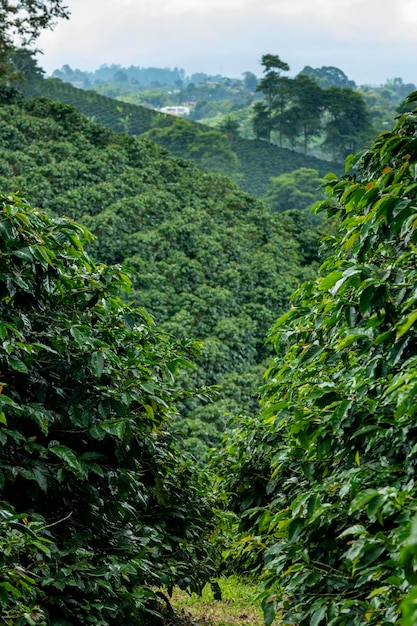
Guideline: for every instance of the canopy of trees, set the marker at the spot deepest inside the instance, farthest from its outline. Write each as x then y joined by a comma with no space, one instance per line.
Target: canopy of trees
204,254
328,76
299,109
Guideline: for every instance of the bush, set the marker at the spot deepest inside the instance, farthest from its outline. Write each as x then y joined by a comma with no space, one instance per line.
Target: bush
106,505
337,515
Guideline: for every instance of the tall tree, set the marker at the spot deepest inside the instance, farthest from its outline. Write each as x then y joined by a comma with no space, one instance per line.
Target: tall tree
306,108
250,81
348,126
272,85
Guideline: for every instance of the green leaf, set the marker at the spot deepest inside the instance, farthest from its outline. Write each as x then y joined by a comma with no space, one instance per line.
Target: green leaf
409,608
43,254
25,254
97,363
268,606
329,281
362,498
117,428
405,326
18,365
356,529
5,400
66,455
318,616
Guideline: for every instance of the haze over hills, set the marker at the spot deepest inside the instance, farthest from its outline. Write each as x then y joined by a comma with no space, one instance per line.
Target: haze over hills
228,37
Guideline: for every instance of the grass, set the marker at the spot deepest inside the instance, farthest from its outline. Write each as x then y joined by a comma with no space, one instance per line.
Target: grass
239,606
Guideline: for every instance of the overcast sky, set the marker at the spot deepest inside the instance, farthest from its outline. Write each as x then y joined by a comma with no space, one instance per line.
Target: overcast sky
370,40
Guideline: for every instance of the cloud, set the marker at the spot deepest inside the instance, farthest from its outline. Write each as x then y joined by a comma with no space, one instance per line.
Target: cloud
370,40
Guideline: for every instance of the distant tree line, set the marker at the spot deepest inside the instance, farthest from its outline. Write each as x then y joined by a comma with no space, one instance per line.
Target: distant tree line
299,111
135,75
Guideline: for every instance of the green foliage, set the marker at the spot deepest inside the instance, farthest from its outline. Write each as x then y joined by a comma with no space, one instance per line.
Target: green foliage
348,127
298,189
299,111
230,126
256,160
260,161
335,510
328,76
100,506
268,115
101,109
208,148
208,260
22,21
303,120
27,19
294,193
21,541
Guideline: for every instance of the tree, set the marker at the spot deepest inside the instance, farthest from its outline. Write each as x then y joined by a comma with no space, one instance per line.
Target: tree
347,127
261,121
399,90
24,20
337,504
273,86
250,81
26,65
328,76
230,126
89,471
306,109
210,149
121,77
298,189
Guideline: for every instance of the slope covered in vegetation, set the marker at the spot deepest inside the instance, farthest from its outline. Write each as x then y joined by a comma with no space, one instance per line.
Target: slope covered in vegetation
251,162
207,260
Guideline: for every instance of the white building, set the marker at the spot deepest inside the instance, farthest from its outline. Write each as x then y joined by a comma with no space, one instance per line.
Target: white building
176,110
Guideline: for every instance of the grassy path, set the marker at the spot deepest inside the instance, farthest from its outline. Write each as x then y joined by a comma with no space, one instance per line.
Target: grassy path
239,605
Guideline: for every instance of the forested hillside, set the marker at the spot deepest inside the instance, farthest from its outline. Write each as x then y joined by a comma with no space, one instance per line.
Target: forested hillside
250,162
208,261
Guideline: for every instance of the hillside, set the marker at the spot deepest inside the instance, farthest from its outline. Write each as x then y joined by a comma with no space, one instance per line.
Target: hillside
257,161
208,261
260,161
